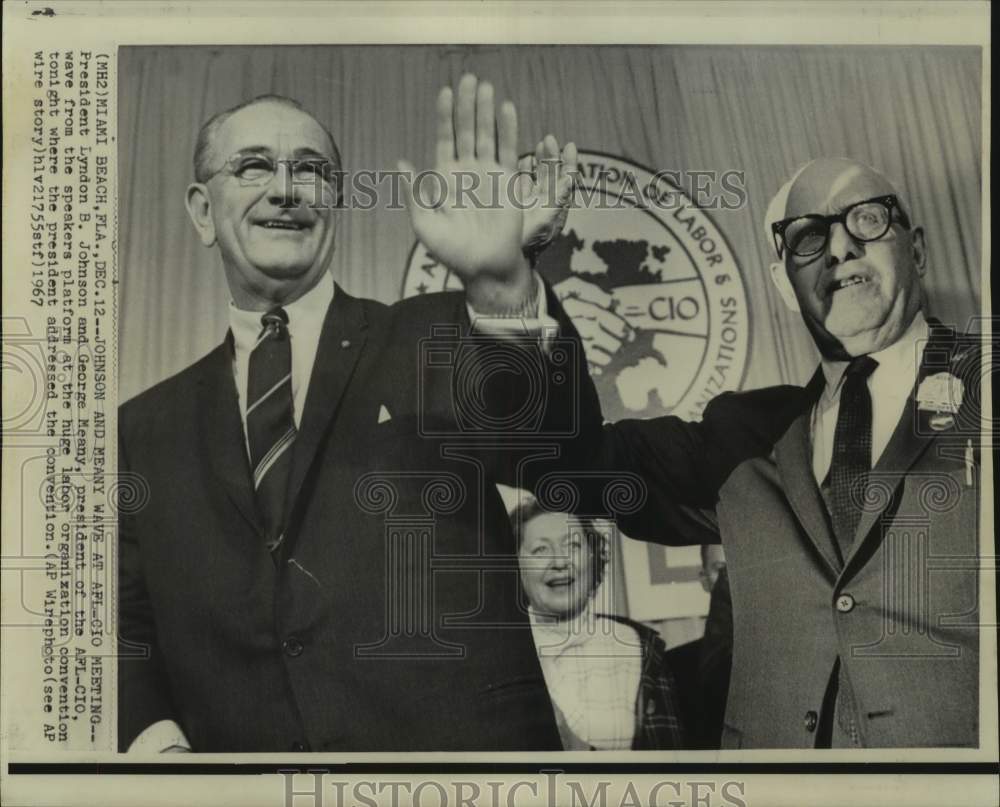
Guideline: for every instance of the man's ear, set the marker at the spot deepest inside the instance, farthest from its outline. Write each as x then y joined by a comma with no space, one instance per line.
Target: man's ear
919,247
779,275
199,208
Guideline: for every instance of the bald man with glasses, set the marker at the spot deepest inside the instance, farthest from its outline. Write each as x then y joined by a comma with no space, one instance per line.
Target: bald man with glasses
848,508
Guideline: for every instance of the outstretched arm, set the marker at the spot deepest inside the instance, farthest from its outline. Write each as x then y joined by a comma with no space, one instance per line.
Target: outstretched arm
476,217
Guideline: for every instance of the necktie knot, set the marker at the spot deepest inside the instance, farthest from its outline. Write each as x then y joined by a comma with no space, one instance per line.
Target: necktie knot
274,321
861,367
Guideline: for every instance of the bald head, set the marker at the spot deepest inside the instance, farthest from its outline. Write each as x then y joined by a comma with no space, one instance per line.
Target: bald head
857,295
830,184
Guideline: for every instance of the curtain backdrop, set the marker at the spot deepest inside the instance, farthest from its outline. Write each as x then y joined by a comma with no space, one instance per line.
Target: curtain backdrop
912,112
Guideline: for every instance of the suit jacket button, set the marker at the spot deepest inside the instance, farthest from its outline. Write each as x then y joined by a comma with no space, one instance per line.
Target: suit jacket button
845,603
292,647
299,746
811,720
345,343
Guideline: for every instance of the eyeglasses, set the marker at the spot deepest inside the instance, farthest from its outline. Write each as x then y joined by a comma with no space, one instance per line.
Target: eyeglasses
865,221
254,169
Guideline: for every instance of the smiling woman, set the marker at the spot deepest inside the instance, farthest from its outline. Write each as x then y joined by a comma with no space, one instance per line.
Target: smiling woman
562,562
607,676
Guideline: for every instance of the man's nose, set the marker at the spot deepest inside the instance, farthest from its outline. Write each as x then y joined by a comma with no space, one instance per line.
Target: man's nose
281,190
842,246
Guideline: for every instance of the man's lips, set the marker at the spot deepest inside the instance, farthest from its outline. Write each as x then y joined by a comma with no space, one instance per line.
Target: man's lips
290,225
845,283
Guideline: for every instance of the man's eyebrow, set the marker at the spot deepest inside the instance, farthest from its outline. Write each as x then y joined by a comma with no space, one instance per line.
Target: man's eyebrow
310,152
303,152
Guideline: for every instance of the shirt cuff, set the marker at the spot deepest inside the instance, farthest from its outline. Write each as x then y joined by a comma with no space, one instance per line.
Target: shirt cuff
158,737
542,324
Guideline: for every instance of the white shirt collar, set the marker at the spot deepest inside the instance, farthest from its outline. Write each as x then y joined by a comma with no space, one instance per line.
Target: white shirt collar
309,308
555,637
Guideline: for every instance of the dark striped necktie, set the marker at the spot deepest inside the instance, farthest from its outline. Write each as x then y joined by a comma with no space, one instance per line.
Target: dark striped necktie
270,421
852,452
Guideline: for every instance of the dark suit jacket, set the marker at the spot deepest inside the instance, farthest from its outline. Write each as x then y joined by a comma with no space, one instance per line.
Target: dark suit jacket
702,669
901,612
393,620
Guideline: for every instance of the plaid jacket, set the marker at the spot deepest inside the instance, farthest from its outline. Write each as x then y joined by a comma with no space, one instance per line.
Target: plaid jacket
657,711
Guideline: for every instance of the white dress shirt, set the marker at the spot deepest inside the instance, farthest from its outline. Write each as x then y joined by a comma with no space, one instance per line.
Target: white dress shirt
890,386
592,666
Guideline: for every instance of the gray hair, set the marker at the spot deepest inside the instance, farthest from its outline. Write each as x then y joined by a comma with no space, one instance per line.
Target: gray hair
203,145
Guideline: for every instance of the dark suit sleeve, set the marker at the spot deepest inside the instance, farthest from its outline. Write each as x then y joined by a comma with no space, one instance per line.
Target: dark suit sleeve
666,460
670,461
143,691
544,405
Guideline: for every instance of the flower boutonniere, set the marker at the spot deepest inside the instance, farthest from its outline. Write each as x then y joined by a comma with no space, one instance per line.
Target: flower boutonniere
941,394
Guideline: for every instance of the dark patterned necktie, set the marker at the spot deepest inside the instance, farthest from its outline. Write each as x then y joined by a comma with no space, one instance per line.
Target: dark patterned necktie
852,451
270,421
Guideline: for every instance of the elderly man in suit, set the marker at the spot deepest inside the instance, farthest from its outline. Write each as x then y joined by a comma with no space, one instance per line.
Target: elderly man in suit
848,508
276,590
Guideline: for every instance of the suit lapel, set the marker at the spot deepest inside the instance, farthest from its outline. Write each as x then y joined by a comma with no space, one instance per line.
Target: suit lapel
910,439
223,438
793,455
340,344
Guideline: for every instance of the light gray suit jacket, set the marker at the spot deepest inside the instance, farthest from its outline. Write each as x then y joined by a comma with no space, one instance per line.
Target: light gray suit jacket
900,611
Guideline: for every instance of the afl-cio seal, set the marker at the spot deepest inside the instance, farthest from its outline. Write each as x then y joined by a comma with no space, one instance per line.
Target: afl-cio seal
670,274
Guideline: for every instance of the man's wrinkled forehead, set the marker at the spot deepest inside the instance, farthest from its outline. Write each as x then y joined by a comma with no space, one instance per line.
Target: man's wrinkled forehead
275,127
828,186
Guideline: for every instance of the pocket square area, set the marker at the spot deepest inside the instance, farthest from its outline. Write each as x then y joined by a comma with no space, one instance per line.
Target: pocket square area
383,414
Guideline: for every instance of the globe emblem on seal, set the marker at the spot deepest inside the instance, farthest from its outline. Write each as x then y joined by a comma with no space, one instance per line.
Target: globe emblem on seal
636,242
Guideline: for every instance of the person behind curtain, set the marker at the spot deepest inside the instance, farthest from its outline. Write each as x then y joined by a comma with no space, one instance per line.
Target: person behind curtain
607,676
